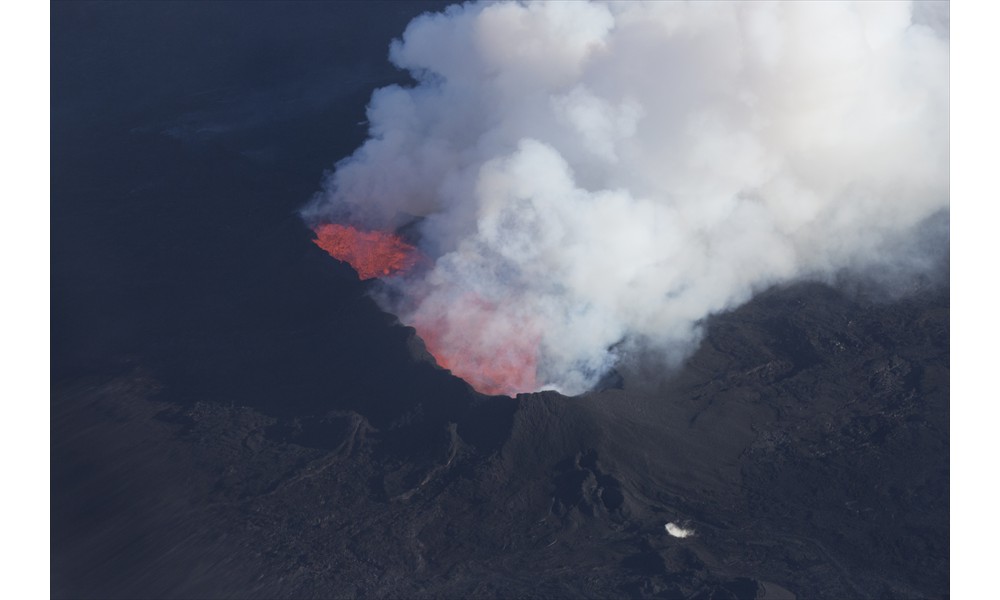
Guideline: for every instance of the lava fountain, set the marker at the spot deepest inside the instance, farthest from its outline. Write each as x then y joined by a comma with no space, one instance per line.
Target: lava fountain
476,343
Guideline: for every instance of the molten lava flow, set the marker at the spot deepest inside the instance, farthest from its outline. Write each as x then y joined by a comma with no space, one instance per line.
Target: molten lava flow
371,253
474,343
494,353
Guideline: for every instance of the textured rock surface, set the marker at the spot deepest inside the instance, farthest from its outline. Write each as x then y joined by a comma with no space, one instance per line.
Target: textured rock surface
826,477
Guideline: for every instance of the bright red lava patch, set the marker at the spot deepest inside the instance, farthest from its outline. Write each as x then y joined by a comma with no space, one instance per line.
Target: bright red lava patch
494,360
371,253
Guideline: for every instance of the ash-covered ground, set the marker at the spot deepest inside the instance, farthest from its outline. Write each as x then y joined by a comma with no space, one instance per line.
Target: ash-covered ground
233,417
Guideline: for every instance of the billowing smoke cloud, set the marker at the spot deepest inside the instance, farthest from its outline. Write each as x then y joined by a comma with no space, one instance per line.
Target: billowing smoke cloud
593,175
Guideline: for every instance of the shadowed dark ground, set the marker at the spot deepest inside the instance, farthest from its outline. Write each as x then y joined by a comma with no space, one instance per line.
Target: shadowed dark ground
233,417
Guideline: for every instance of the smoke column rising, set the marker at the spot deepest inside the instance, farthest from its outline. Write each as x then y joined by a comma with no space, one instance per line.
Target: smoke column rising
598,175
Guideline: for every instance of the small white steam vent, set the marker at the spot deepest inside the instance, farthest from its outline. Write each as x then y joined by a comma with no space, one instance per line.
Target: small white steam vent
677,531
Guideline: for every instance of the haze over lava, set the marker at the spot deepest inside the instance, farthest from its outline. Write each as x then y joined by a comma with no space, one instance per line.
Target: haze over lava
505,369
597,178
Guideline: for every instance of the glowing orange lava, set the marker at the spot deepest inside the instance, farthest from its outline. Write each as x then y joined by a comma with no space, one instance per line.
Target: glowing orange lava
371,253
493,353
493,357
509,373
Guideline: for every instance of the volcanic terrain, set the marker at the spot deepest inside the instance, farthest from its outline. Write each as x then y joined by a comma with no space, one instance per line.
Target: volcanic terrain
233,416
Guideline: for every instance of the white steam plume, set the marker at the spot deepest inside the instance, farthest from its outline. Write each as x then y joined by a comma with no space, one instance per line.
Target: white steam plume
597,172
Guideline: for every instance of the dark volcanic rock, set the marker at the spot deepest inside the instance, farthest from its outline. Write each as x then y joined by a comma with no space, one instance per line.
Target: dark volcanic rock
830,480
